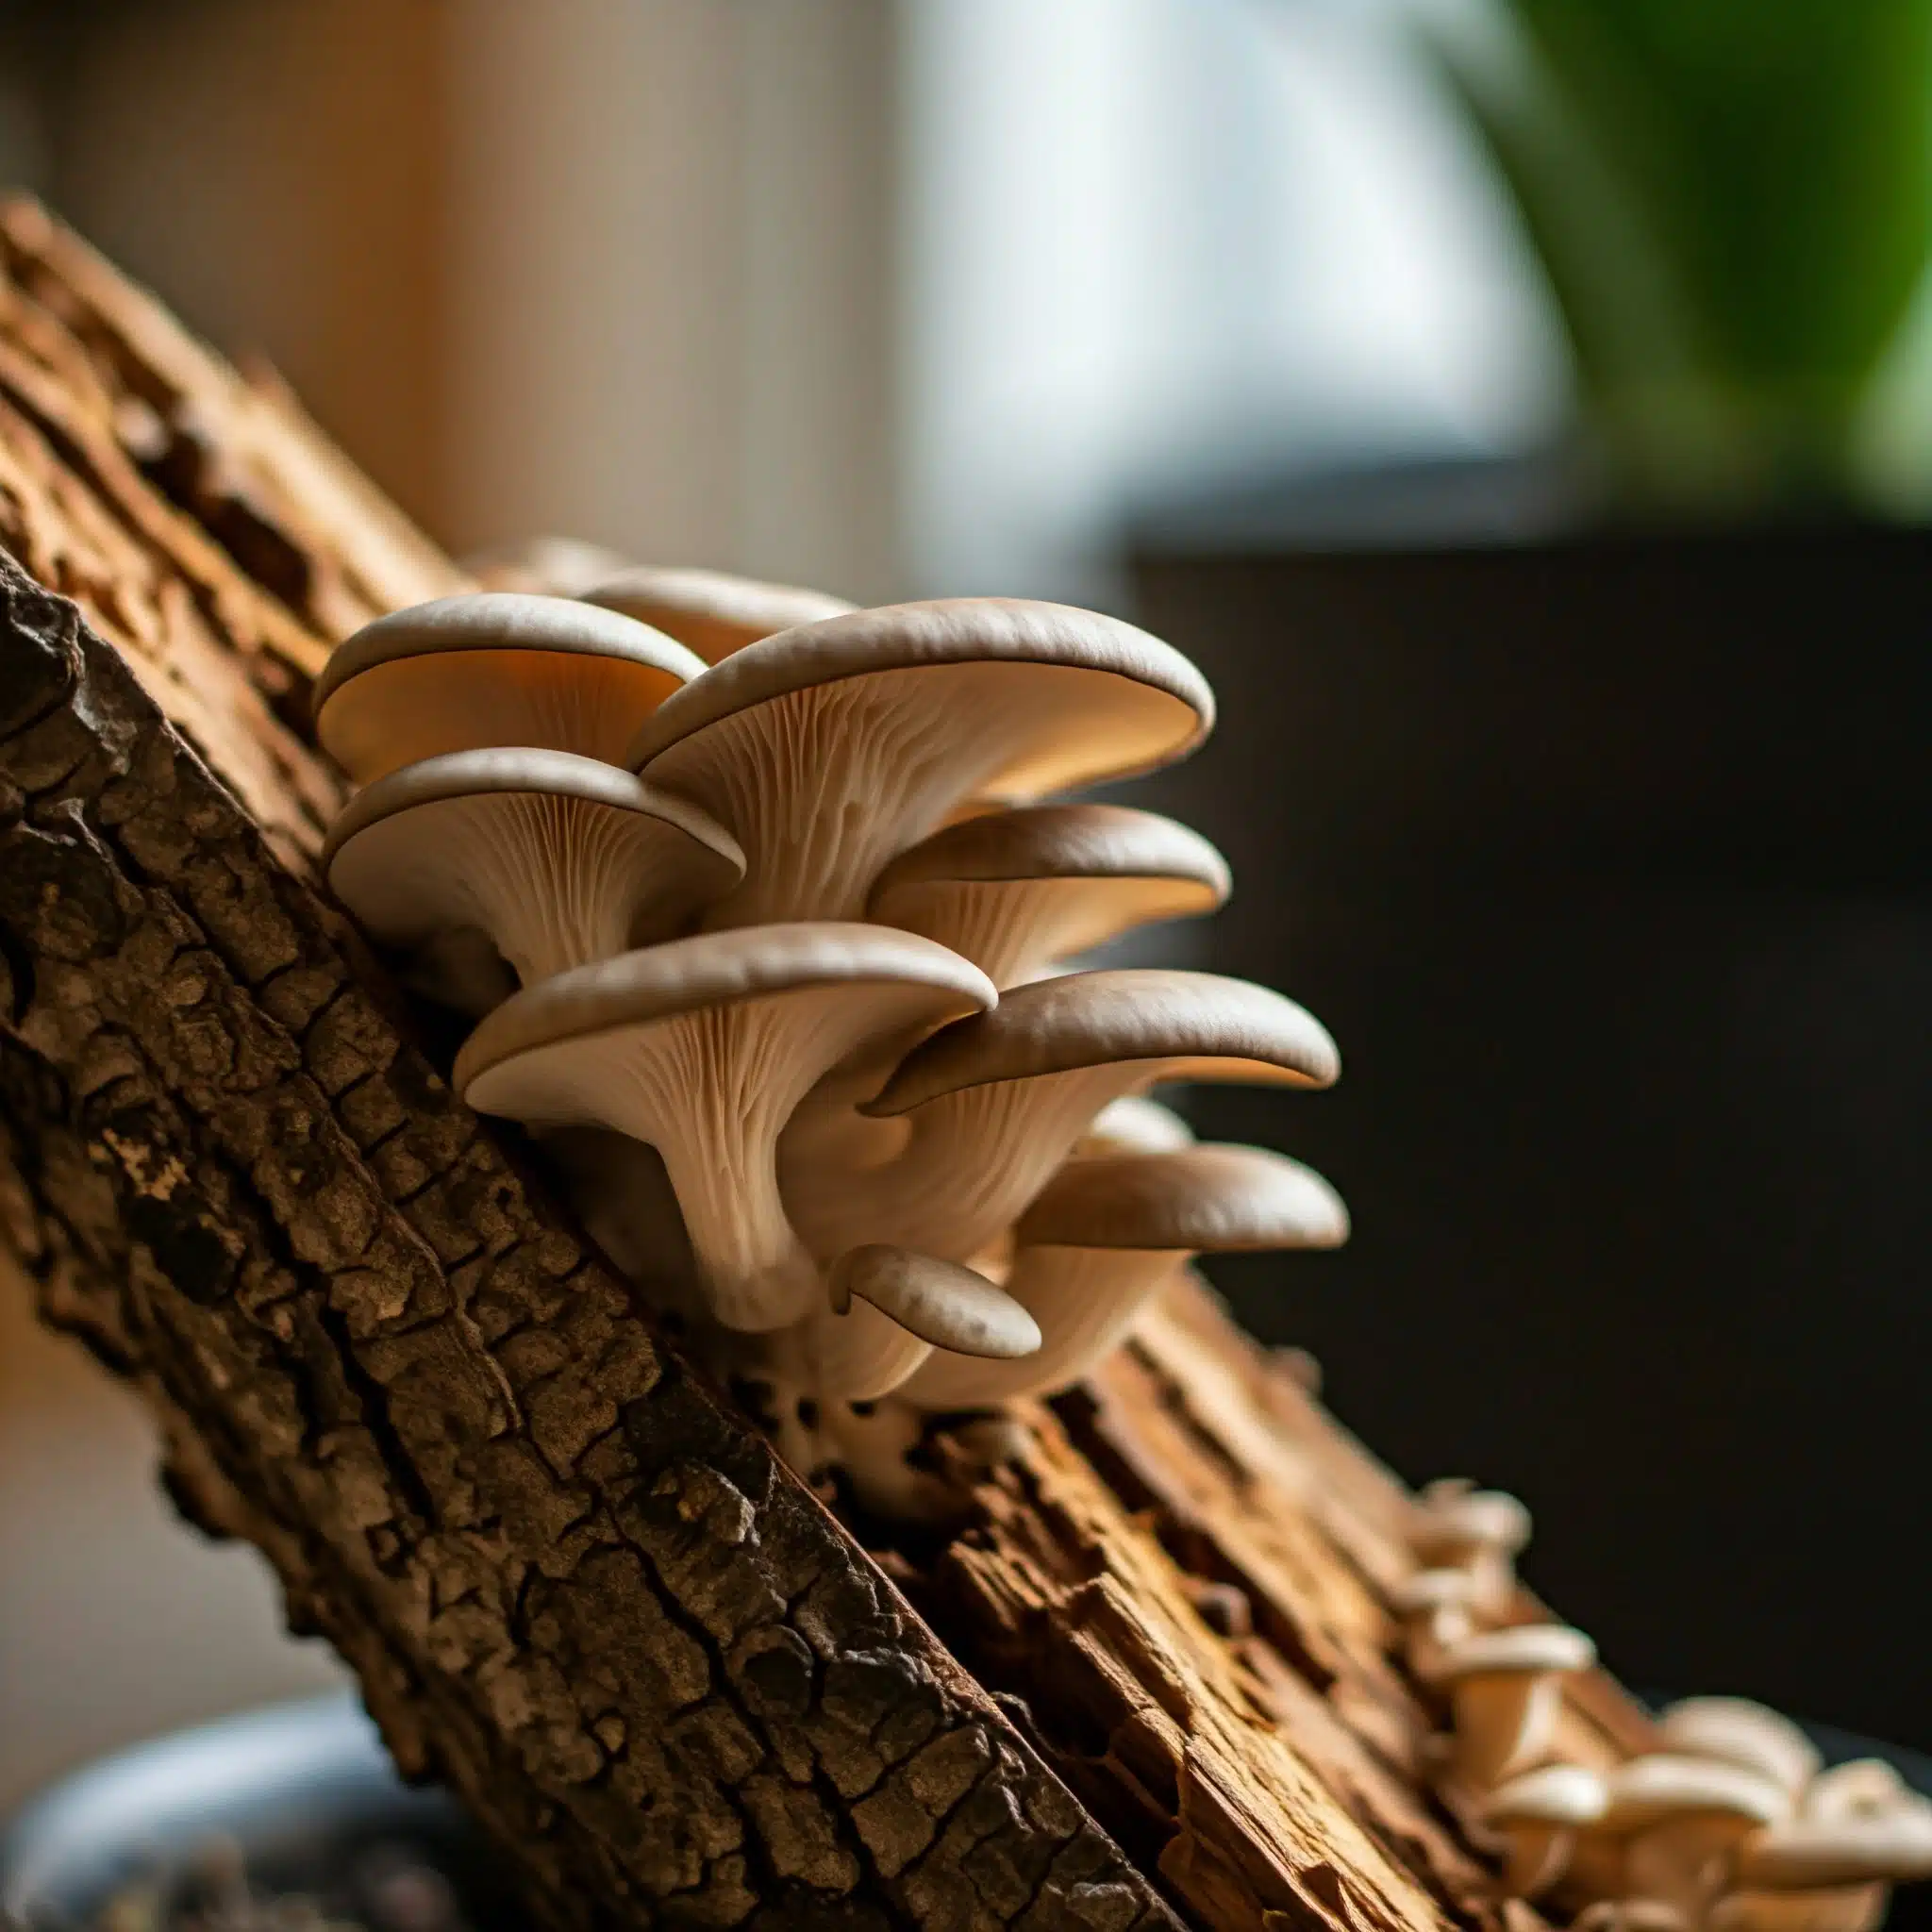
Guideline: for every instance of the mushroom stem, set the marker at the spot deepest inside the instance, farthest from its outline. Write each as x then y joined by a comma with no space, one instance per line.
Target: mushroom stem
1502,1724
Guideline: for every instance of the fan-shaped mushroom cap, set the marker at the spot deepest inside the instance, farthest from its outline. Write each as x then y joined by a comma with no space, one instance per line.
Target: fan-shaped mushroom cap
831,747
1105,1235
1505,1688
1436,1606
1133,1125
1893,1846
560,859
1681,1817
1734,1730
493,668
1457,1526
1539,1815
1016,890
702,1047
549,566
1857,1788
709,611
994,1110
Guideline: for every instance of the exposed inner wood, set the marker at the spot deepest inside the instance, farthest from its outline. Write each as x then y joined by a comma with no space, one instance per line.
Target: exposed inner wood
571,1578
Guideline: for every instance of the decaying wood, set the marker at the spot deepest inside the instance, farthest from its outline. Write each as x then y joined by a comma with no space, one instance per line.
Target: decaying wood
572,1579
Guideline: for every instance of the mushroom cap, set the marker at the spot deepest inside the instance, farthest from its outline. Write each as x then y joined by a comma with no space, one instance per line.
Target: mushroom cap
1061,841
708,611
1213,1200
1453,1515
1807,1854
708,970
520,769
941,1302
550,566
1553,1794
1183,1026
1137,703
1425,1590
1860,1785
491,668
1735,1730
1522,1650
1134,1124
1661,1784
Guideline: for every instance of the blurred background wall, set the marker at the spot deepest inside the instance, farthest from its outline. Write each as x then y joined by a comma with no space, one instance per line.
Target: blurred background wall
1148,303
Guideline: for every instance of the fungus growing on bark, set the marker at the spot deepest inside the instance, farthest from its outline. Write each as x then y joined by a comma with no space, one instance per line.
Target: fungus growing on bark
560,859
1108,1234
702,1047
1734,1730
708,611
1017,890
1538,1816
1681,1818
1436,1607
1456,1525
494,668
1505,1688
829,748
995,1104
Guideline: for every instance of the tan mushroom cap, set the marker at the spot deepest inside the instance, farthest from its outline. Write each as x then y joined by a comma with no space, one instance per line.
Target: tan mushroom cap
493,668
1505,1692
1662,1785
941,1302
1133,1125
1165,1025
548,565
1524,1649
1454,1520
1553,1794
708,611
560,859
1735,1730
1016,890
831,747
1811,1853
702,1047
1428,1593
1856,1788
1106,1236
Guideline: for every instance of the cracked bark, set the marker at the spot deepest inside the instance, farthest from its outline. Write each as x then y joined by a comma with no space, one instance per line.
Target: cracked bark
571,1579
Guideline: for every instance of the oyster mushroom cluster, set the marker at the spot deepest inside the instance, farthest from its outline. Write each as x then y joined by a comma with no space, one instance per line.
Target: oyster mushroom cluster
762,907
1731,1825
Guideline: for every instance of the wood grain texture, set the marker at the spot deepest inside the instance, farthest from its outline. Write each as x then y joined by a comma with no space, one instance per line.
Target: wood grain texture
573,1580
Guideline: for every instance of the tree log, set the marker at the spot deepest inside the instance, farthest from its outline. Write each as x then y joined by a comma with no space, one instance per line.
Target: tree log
571,1578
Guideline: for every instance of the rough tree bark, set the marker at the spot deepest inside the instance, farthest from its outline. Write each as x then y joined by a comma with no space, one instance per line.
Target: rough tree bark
572,1580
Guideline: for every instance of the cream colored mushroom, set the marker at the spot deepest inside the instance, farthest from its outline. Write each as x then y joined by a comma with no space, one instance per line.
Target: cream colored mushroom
1681,1818
831,747
1504,1688
550,566
1106,1236
1436,1607
702,1047
709,611
1133,1125
493,668
1538,1816
1016,892
994,1110
1734,1730
1859,1787
1457,1526
1832,1873
560,859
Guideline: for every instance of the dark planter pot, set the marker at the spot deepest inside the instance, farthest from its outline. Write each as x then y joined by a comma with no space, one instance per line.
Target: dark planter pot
305,1796
302,1793
1608,859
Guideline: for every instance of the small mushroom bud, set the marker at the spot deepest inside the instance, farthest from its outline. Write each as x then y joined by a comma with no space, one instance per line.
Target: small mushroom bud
1459,1526
1537,1816
1437,1611
1505,1688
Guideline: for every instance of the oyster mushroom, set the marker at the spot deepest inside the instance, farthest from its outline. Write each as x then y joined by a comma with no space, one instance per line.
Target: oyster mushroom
550,566
995,1107
1133,1125
1826,1875
1016,890
1734,1730
1105,1237
1857,1788
708,610
831,747
702,1047
1505,1688
1538,1816
1459,1526
493,668
560,859
1681,1818
1435,1608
